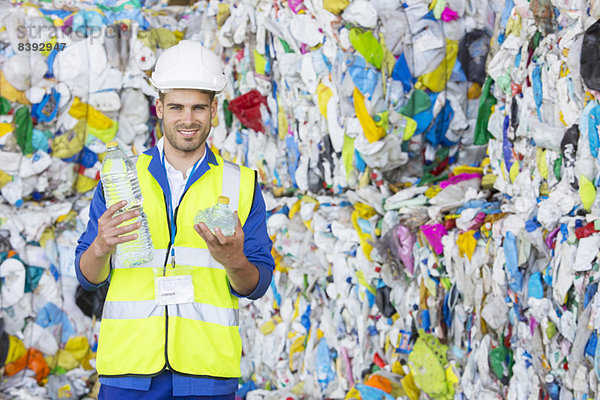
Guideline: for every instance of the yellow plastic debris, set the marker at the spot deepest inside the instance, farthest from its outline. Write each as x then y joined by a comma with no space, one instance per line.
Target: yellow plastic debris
466,244
71,142
410,128
85,363
4,178
432,191
16,349
78,346
389,61
428,364
324,94
541,162
10,93
296,347
283,122
84,184
372,132
410,387
353,394
365,212
223,13
335,6
466,169
513,26
5,128
514,172
451,379
487,182
269,326
587,192
363,281
94,117
260,63
348,155
436,80
397,368
474,91
62,359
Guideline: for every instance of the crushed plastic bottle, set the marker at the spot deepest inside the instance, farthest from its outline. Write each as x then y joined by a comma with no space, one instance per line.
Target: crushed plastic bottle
120,182
220,215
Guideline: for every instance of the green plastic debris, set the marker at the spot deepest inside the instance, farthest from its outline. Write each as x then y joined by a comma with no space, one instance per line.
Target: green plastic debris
486,102
367,45
286,46
24,130
557,167
228,114
4,106
501,360
419,101
551,330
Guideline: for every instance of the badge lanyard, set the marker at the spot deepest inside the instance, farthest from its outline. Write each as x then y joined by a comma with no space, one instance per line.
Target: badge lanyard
170,204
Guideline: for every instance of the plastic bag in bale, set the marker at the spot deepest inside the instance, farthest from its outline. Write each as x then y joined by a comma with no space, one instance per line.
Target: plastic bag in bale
590,54
472,54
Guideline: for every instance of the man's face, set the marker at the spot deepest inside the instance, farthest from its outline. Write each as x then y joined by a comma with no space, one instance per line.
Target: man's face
187,116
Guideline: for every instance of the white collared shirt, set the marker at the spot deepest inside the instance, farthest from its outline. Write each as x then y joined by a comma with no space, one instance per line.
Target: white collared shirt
175,177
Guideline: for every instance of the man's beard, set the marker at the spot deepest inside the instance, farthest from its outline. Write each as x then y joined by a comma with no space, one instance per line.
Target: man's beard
180,143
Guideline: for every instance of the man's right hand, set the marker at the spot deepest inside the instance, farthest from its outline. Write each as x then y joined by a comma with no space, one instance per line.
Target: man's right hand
110,233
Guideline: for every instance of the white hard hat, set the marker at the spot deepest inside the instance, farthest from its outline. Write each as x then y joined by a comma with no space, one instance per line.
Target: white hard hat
188,65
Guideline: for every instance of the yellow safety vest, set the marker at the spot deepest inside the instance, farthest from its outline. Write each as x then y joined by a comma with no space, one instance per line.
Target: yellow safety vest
139,337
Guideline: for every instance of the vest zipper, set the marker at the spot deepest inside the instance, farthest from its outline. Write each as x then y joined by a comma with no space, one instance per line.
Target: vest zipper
167,366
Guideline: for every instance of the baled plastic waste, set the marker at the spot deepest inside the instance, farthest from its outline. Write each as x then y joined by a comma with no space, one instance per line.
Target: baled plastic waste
418,203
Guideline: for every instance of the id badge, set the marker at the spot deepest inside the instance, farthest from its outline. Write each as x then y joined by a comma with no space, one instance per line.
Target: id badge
174,290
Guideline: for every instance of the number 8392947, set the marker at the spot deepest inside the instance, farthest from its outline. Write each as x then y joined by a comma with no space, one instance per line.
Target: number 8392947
41,46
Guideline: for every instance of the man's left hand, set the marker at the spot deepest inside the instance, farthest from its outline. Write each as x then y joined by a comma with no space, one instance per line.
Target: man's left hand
227,250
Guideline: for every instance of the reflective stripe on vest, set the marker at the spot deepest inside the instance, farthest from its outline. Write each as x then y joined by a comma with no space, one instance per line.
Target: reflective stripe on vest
132,309
149,308
185,256
206,313
231,173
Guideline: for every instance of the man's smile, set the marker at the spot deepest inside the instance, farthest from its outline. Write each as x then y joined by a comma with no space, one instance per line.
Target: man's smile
187,132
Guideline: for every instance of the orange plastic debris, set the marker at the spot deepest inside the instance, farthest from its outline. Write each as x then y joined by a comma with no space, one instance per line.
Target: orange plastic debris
33,360
379,382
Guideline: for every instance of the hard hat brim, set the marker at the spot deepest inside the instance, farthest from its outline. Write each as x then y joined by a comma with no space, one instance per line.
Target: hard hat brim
212,87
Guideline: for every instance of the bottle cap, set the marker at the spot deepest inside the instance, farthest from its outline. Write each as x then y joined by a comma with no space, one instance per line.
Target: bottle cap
223,200
112,144
19,203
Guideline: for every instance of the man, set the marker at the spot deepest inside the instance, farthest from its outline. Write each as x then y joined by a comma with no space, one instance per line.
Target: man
182,343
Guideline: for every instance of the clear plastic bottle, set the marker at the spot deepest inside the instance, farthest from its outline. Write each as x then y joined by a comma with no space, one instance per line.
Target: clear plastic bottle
224,217
220,215
120,182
